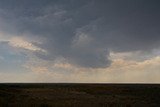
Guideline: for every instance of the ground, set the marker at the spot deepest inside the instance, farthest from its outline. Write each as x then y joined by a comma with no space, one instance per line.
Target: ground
79,95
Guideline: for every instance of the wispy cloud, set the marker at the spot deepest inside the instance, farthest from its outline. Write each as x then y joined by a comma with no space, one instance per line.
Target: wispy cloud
19,42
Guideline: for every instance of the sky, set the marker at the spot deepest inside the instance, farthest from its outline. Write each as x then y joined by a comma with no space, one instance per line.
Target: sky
80,41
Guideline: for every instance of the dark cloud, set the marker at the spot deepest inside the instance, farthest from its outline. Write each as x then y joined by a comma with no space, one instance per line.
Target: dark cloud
84,32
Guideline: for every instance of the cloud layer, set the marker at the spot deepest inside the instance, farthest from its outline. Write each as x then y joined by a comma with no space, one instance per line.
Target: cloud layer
86,34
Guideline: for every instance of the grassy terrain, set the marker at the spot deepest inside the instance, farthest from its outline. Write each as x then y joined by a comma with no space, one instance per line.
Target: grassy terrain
79,95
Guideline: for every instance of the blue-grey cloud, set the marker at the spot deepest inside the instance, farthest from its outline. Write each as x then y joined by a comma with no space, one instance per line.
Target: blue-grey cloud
84,32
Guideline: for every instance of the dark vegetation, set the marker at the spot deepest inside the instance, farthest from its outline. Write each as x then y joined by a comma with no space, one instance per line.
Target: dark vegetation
79,95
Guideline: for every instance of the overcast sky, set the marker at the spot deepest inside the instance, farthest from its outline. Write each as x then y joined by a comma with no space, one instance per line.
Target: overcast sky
80,41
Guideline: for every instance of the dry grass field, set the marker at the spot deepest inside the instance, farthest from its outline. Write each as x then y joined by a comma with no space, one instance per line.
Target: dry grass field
79,95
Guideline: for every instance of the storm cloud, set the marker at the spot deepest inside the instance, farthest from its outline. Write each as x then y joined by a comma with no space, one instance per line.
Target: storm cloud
83,32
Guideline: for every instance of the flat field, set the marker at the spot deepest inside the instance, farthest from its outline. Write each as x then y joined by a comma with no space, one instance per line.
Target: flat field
79,95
